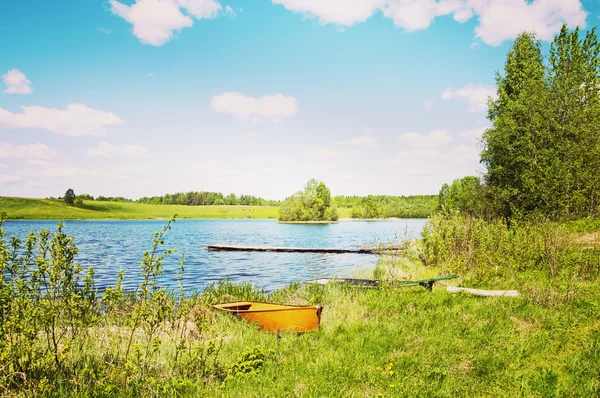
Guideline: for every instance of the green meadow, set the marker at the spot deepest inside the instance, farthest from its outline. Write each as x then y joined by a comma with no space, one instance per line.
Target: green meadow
51,209
45,209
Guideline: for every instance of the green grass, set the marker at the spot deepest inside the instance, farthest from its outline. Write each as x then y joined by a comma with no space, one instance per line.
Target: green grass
412,342
44,209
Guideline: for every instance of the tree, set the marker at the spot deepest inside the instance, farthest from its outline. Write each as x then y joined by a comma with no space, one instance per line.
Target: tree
543,152
312,204
69,197
519,117
466,195
574,100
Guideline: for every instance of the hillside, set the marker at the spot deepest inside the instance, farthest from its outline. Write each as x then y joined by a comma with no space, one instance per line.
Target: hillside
44,209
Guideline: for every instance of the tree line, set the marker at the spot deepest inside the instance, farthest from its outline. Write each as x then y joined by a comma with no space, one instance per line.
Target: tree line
194,198
383,206
542,153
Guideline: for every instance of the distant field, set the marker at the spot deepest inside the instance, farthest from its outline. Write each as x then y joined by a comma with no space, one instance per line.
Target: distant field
43,209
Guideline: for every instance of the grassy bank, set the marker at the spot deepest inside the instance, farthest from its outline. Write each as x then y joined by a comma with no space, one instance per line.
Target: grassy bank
372,342
44,209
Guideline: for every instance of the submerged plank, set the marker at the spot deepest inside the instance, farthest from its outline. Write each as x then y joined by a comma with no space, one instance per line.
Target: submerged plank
479,292
287,249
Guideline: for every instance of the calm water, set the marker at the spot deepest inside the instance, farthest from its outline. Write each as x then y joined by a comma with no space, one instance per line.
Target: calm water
110,246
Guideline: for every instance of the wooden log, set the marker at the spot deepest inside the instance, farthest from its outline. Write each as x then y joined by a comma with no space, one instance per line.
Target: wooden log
286,249
479,292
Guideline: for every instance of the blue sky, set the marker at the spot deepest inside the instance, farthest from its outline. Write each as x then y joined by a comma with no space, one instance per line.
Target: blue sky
140,98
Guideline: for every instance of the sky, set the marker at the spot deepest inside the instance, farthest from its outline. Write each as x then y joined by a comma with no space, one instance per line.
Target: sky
145,97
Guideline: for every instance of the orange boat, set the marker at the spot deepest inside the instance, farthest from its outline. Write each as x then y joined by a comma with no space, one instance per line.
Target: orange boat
276,317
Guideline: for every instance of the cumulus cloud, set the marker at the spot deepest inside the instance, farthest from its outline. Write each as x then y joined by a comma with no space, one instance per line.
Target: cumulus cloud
16,82
107,150
338,12
499,20
27,151
75,120
364,141
274,107
155,21
475,95
425,141
428,104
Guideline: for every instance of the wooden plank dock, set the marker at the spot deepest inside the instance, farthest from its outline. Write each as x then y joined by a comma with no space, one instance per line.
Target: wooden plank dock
287,249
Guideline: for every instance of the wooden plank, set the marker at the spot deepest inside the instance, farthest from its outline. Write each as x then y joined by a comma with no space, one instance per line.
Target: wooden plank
286,249
347,281
479,292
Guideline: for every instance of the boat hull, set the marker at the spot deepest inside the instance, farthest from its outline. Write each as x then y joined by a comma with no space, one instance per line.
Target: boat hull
274,317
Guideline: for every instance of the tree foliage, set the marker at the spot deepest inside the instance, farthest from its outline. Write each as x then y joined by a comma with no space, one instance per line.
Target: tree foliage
384,206
69,197
312,204
542,153
203,198
465,195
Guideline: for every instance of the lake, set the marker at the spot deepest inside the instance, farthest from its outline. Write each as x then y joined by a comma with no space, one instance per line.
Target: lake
110,246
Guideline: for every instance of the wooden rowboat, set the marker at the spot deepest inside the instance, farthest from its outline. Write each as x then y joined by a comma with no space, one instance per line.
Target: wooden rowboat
275,317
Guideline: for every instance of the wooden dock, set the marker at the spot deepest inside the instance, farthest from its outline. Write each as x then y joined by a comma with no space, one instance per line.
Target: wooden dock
286,249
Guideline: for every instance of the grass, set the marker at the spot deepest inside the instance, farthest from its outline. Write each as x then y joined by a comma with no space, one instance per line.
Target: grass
372,342
411,342
44,209
402,342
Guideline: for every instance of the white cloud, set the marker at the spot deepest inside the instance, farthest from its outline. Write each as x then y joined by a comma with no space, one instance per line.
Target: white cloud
230,12
425,141
149,74
324,153
105,31
338,12
475,95
274,107
428,104
108,150
16,82
75,120
155,21
27,151
499,20
251,134
473,135
363,141
413,15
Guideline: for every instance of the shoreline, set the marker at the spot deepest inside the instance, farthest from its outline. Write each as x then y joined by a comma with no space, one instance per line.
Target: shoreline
213,219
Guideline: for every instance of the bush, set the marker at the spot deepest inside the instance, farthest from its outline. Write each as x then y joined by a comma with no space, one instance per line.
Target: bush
56,335
312,204
484,251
